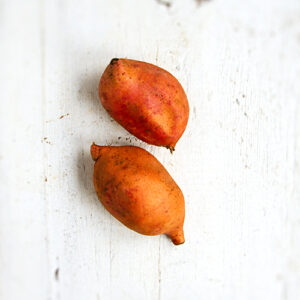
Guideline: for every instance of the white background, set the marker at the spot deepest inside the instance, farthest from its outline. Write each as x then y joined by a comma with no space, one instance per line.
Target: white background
238,162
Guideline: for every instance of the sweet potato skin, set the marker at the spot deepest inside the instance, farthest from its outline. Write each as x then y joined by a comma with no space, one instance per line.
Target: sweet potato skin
146,100
137,190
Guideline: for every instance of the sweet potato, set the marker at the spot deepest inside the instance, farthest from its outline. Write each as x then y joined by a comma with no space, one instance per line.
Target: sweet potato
146,100
137,190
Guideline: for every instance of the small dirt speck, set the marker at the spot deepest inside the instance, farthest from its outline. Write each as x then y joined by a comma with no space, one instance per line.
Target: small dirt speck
237,101
201,1
62,116
46,179
245,114
165,3
45,139
56,274
119,138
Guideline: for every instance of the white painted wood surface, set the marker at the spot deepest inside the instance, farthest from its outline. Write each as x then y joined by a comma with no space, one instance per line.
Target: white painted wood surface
237,163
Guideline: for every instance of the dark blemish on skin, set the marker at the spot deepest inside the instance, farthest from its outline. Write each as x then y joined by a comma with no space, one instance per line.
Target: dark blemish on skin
56,274
165,3
119,138
62,116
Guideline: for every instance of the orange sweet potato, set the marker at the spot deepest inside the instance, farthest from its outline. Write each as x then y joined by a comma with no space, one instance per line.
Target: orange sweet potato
146,100
137,190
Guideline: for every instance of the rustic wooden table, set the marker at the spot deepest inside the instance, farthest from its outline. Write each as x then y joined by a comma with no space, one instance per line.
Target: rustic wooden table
238,162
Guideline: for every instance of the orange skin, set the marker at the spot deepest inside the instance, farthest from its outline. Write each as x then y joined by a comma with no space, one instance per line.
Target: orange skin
138,191
146,100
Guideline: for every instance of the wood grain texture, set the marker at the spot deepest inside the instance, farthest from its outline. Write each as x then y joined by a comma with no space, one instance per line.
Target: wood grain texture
237,163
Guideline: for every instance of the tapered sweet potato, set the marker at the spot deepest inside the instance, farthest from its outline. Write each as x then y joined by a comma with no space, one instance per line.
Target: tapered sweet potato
137,190
146,100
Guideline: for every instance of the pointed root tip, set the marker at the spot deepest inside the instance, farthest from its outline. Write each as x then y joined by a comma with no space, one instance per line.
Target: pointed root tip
171,148
177,237
95,151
